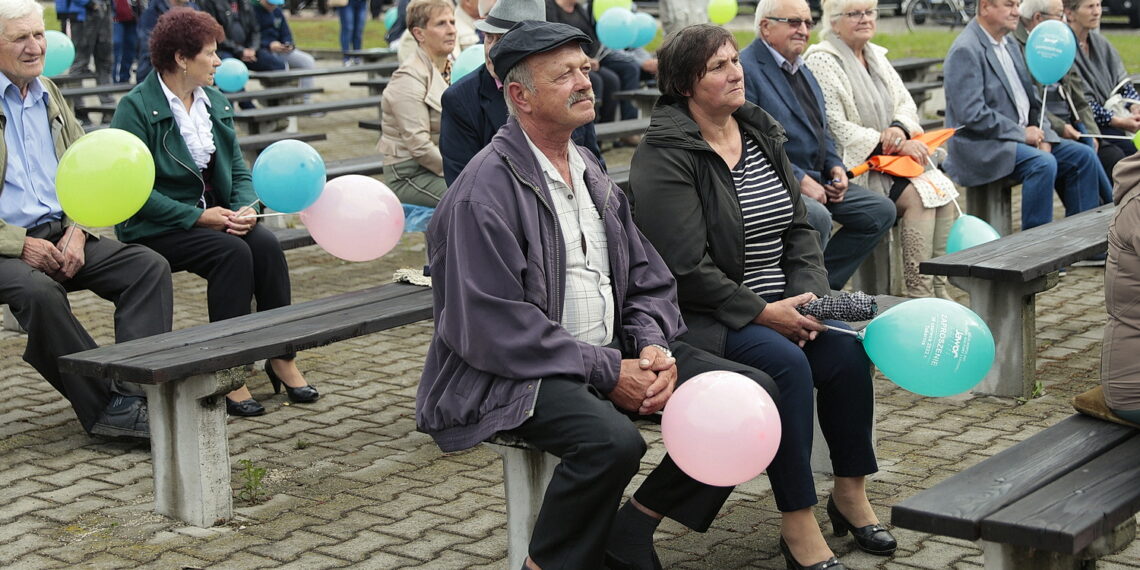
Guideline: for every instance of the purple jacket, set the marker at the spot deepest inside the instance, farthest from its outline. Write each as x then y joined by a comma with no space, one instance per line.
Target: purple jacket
498,269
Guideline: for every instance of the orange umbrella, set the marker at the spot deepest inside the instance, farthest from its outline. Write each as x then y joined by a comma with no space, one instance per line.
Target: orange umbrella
904,166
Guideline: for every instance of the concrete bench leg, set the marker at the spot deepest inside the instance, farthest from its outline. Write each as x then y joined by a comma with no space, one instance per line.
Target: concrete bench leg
1008,557
992,203
189,447
1010,310
526,473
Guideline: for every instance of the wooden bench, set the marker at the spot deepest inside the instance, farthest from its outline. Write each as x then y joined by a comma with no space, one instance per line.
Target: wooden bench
255,120
252,145
916,68
1059,499
186,374
292,76
375,85
371,55
368,165
993,202
614,130
1003,278
273,95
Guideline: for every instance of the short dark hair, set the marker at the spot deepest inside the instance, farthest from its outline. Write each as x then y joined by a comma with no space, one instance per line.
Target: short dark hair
181,31
682,59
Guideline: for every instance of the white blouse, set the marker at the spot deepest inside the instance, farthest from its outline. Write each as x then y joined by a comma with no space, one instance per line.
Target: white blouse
194,126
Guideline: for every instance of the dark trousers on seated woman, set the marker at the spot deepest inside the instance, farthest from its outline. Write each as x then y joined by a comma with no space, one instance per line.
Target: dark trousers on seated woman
601,451
236,268
835,365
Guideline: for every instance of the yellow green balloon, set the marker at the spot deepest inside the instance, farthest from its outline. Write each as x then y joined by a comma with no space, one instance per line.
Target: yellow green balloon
722,11
104,177
600,6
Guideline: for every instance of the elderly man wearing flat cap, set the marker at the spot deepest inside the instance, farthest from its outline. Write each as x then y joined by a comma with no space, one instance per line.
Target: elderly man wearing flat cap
555,318
474,108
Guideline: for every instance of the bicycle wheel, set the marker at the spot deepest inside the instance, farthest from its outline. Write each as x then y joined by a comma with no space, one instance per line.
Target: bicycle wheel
918,14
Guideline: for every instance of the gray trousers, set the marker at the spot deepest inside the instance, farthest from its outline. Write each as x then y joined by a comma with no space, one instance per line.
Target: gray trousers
94,38
134,278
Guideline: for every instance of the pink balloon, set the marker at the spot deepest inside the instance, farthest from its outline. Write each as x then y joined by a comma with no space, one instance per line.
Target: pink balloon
721,428
357,218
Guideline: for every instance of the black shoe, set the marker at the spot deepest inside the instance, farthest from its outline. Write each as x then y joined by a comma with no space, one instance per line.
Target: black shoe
300,395
245,408
832,563
126,416
872,539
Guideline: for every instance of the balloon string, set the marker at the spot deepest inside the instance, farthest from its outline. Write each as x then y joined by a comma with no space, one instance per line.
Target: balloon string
1044,94
251,204
1122,137
844,331
68,239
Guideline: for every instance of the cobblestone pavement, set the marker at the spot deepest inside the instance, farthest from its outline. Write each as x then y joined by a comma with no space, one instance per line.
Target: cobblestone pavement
350,483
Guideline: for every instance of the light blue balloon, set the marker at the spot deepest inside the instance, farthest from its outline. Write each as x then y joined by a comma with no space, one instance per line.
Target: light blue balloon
615,28
931,347
646,28
1049,51
289,176
390,17
469,60
60,53
231,76
969,231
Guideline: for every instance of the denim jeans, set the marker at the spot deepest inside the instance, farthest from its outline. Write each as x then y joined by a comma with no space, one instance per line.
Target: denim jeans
352,19
125,37
1072,168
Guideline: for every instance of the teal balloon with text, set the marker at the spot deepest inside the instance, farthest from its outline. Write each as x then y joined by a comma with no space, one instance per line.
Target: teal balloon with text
931,347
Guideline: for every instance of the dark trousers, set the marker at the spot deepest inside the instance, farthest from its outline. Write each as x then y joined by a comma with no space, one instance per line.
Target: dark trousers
1112,150
236,268
839,370
601,451
134,278
93,38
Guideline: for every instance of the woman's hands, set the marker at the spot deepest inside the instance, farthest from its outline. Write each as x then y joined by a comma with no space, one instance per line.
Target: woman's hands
223,219
782,317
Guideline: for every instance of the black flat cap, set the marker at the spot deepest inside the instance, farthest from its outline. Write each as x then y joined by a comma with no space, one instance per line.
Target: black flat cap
529,37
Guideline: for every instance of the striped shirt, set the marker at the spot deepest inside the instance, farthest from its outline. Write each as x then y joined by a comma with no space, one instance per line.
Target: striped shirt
767,211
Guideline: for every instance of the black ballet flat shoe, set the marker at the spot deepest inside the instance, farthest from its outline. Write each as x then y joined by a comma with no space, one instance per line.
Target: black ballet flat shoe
832,563
872,539
245,408
302,395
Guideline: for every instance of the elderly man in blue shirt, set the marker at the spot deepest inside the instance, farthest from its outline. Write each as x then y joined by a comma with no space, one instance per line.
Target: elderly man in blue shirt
43,255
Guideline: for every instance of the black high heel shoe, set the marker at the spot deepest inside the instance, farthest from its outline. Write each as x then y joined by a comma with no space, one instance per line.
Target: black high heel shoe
832,563
872,539
301,395
245,408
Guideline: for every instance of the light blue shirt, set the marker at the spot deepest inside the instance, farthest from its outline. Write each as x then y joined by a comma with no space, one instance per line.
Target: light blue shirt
28,198
791,67
1020,98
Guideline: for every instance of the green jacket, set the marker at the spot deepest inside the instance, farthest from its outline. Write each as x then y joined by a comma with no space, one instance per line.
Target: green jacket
686,205
1074,88
65,130
175,202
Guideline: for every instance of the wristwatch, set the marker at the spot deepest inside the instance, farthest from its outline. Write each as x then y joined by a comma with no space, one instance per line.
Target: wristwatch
668,353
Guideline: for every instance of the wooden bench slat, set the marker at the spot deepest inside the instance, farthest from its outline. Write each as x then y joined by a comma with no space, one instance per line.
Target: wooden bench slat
284,111
1070,513
957,506
278,77
1031,253
252,337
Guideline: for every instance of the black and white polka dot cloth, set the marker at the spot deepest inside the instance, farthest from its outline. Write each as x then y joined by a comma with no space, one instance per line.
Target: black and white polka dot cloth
848,307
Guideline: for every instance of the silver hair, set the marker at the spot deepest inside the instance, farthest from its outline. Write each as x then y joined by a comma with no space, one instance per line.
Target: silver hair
16,9
522,74
833,10
1030,8
767,8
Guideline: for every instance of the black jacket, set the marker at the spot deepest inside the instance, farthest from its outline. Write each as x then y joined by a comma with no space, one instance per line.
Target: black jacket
240,27
686,204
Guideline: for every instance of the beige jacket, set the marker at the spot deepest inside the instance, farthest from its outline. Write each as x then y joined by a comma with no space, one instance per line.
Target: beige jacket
409,114
64,131
1120,365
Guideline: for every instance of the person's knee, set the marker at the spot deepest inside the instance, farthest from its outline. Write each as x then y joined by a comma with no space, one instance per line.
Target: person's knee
819,217
38,292
617,451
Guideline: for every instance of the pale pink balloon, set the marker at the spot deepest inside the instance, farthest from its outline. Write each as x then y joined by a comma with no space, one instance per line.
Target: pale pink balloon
721,428
357,218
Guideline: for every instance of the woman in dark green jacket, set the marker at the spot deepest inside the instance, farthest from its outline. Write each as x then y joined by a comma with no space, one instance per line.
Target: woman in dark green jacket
199,215
716,197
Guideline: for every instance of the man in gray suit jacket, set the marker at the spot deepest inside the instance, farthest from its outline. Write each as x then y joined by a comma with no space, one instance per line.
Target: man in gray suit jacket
998,110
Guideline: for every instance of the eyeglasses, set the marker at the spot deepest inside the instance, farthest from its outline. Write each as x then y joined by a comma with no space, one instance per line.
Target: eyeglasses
793,22
857,15
1048,16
